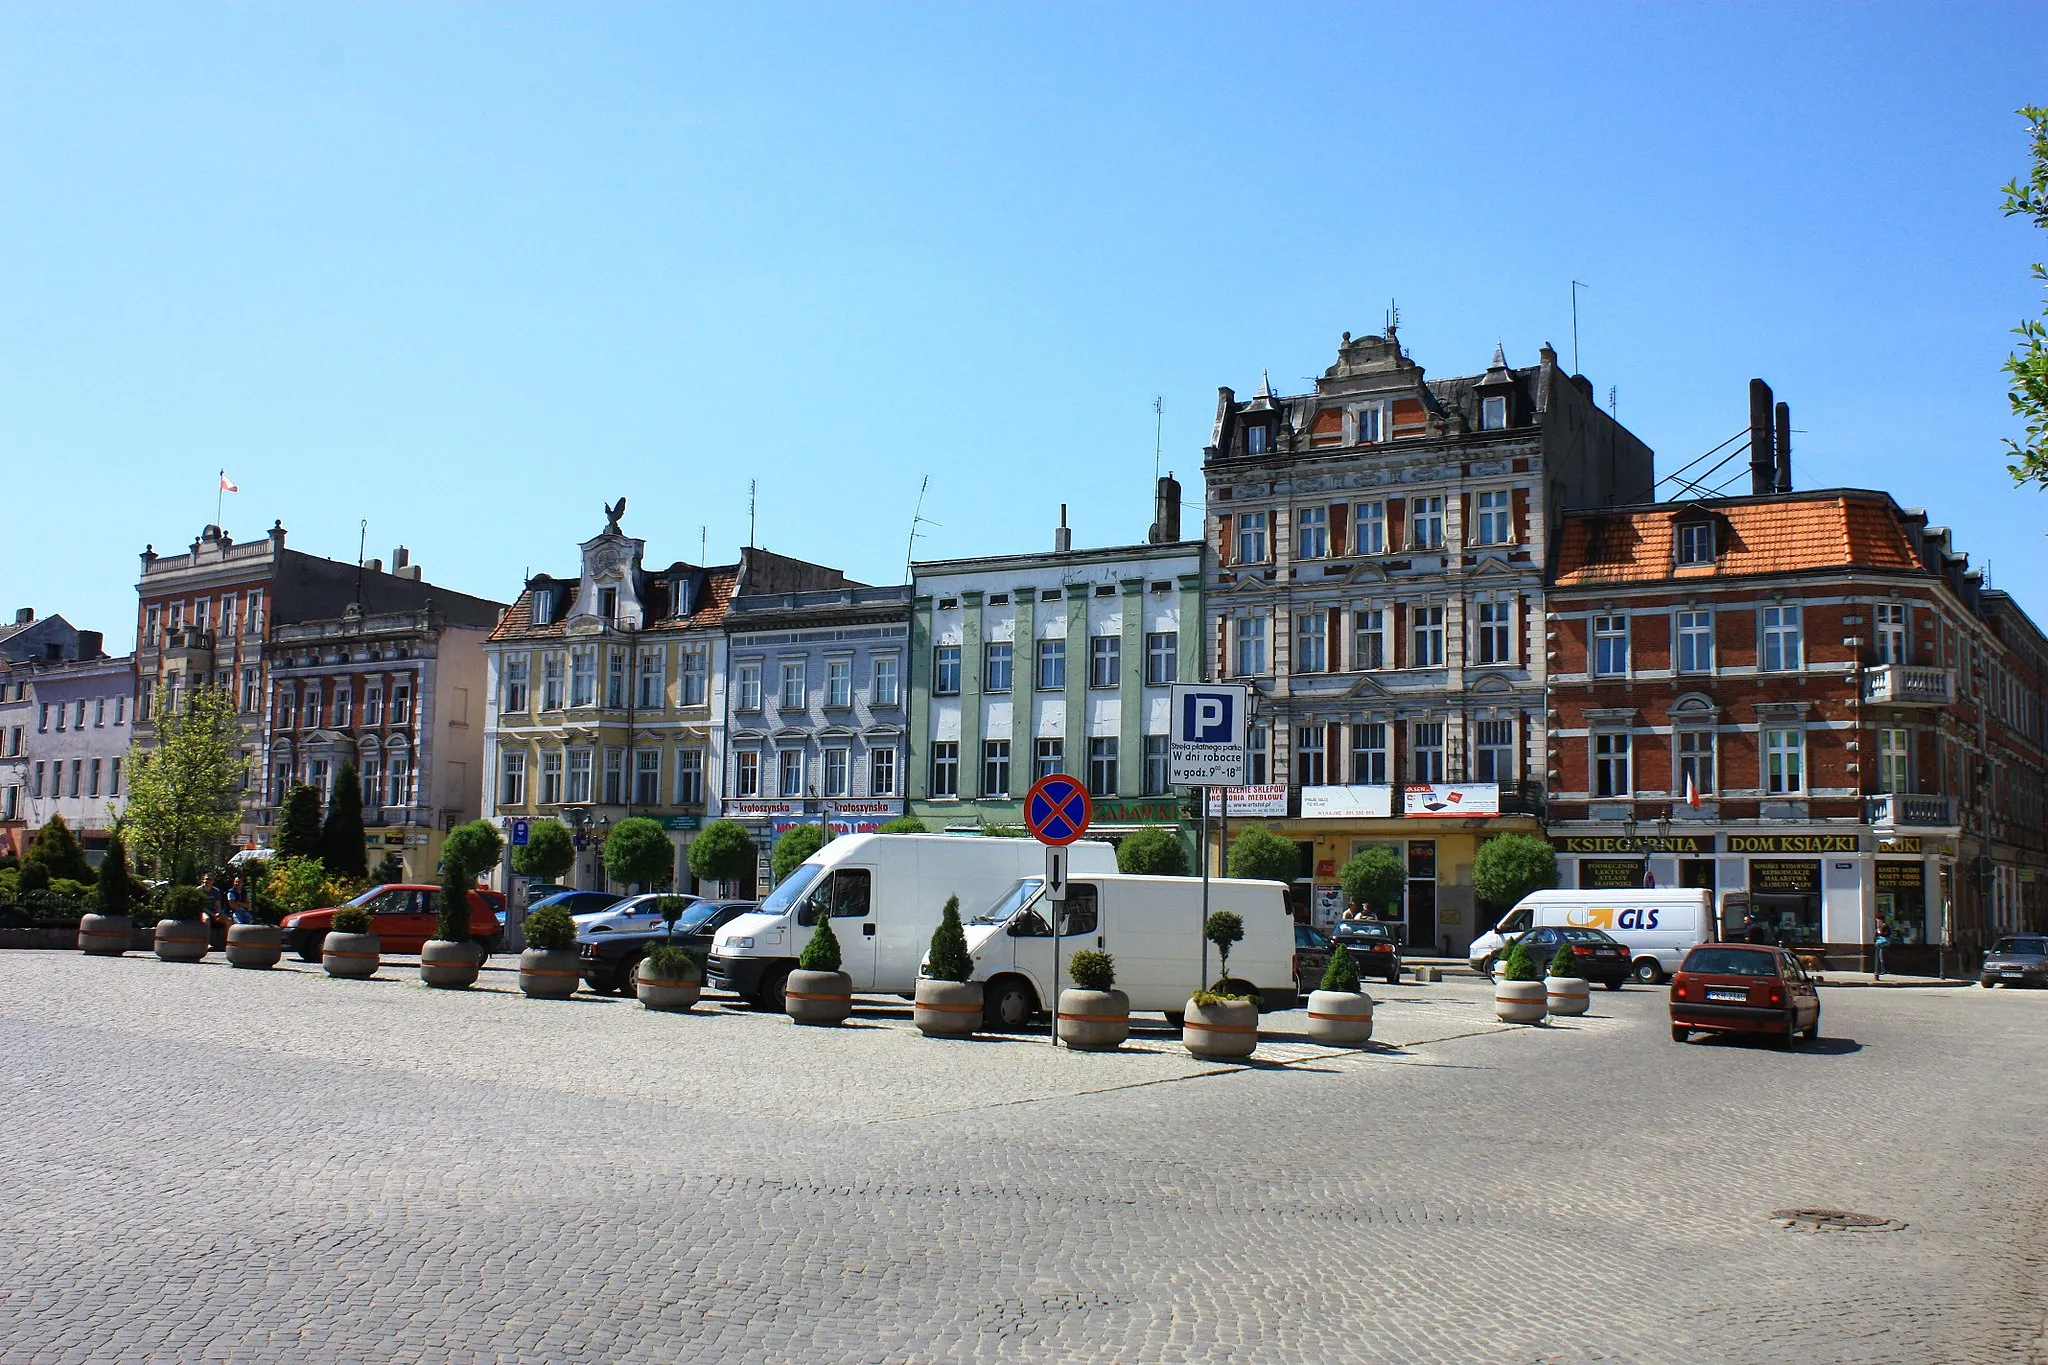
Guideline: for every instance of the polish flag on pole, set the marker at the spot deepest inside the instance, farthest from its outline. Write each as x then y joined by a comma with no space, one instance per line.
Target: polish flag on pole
1692,792
225,486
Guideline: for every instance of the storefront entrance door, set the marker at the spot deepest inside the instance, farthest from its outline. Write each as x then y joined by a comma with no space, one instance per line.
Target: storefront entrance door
1421,900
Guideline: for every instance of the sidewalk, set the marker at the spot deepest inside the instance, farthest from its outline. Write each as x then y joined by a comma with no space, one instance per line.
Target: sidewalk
1890,982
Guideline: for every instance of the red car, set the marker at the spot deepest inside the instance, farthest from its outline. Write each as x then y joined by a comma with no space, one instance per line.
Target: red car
1743,988
403,914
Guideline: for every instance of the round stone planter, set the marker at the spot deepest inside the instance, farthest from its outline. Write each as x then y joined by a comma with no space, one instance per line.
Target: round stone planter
451,964
1094,1021
946,1009
1519,1002
105,935
819,997
666,993
181,940
351,955
1339,1018
1227,1029
550,973
1567,995
254,945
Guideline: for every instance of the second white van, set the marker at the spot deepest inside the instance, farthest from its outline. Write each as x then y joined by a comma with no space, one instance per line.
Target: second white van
1659,926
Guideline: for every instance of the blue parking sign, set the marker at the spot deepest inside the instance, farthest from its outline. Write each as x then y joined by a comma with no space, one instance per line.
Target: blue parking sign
1207,746
520,829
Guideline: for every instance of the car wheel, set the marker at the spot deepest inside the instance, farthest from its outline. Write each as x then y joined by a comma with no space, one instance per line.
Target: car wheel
1394,978
1176,1019
1789,1037
770,999
1613,985
309,946
1648,972
1987,985
1680,1034
1813,1034
1008,1006
1486,968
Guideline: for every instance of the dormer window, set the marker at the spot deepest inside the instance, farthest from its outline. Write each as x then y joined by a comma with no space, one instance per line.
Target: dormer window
1696,542
543,606
1368,428
1493,413
1257,439
608,603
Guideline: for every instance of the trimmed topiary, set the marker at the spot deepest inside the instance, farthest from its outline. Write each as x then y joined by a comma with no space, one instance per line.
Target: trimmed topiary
1223,928
1564,962
550,927
352,919
298,823
1374,877
949,959
638,851
118,889
1341,974
549,851
724,852
821,954
672,961
1093,970
1510,866
184,903
1518,963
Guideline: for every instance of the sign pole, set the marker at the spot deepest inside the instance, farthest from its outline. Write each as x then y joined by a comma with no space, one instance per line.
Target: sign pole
1056,887
1202,930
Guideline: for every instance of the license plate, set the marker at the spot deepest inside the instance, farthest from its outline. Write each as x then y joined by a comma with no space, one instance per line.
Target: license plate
1727,993
2014,975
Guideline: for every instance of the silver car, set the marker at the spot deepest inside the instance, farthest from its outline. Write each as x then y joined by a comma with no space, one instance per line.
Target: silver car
2016,960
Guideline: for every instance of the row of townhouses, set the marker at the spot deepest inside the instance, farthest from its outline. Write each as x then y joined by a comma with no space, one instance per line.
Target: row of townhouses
1460,604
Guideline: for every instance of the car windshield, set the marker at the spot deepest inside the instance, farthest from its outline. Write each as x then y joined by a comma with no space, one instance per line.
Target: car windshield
1358,930
1013,900
1730,962
784,897
694,917
368,896
2022,947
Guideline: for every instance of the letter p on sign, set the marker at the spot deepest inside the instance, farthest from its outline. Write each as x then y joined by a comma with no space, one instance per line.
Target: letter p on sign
1208,719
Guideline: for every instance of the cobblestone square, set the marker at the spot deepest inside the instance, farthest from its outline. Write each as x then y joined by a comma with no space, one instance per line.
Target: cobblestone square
213,1165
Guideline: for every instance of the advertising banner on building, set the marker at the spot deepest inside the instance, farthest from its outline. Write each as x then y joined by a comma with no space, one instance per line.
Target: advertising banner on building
763,810
1254,802
1447,800
1345,803
865,808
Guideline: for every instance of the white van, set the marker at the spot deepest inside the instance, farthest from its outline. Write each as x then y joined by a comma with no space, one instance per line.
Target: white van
887,892
1152,926
1659,926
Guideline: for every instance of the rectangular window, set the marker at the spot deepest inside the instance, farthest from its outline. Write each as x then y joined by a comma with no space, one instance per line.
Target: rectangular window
1251,646
401,703
14,742
1493,751
93,787
550,685
1696,760
10,808
1696,543
746,778
1369,754
1427,638
152,626
1052,755
1893,774
99,712
1251,538
995,667
1162,658
342,708
121,710
1695,642
1493,413
1105,660
696,675
1156,769
1309,755
1052,665
1426,523
512,778
78,772
1366,423
579,776
114,778
1429,751
542,612
647,777
1369,528
1312,533
882,772
789,764
1496,525
1255,439
400,779
946,671
1257,742
995,767
793,686
36,790
653,680
945,768
608,603
1610,765
583,676
1891,632
1610,646
312,705
689,777
78,714
885,680
615,677
43,719
1102,766
515,683
1491,634
749,688
1312,642
551,778
838,772
614,776
253,623
1782,651
839,683
1784,762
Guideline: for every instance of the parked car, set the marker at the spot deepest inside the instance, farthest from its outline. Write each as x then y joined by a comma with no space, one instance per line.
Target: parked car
403,915
1375,948
1600,956
610,958
1659,926
573,901
2015,960
627,913
1312,951
1743,988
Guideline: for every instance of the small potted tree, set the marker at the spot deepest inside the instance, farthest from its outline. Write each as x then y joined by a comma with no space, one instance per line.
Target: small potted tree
948,1004
452,958
1518,995
111,930
549,969
1093,1015
1565,991
817,991
669,976
181,932
350,949
1339,1014
1223,1020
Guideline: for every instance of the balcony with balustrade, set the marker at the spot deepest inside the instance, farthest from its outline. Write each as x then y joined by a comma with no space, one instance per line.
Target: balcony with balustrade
1900,812
1905,685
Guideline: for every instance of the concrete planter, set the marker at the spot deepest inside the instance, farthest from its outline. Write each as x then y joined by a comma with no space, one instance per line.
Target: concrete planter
1567,995
1339,1018
1228,1029
450,964
819,997
550,973
1094,1021
181,940
667,993
354,956
1519,1002
946,1009
105,935
254,945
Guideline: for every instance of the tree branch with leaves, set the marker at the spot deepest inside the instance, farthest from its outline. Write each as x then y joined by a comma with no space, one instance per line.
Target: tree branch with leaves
2028,366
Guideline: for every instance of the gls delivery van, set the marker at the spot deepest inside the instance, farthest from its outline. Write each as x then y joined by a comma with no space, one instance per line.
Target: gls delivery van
1152,926
886,893
1658,926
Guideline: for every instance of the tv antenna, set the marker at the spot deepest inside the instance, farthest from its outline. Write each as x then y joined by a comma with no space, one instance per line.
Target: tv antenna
1158,426
1576,287
362,548
917,519
1610,402
753,487
1393,319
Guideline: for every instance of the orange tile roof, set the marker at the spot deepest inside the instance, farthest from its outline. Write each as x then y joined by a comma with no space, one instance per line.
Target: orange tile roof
1789,536
517,623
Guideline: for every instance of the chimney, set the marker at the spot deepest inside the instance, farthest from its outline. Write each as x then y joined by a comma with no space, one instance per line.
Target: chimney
1165,512
90,644
1784,447
376,566
1762,449
402,565
24,615
1062,539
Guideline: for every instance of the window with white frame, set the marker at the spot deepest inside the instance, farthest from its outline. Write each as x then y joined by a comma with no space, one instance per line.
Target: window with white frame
1312,642
1611,774
99,714
1427,642
838,772
946,671
551,778
746,773
614,776
608,603
839,683
1156,768
1493,413
647,777
1491,634
583,676
370,774
1782,650
398,777
1312,533
1696,542
550,684
401,703
1610,646
542,612
653,680
1256,438
1162,658
882,772
1251,538
579,776
252,688
1890,629
1369,528
515,681
1310,757
689,777
615,677
1371,756
995,767
342,704
747,686
1052,665
1050,758
93,782
696,675
1784,760
996,666
287,711
1251,646
1696,761
885,689
512,777
946,768
252,624
1893,772
1105,660
1369,638
310,709
789,764
1495,520
1428,751
1426,523
1102,765
1493,751
1365,424
792,697
1695,641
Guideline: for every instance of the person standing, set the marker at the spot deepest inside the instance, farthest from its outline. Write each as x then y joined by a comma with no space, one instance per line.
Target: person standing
1882,942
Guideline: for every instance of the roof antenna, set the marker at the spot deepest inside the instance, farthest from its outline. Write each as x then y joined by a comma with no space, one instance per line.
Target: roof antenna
1610,402
1576,287
753,486
362,547
703,544
1158,426
1393,319
917,519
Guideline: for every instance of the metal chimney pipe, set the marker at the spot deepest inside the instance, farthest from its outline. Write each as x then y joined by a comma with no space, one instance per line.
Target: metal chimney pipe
1762,448
1062,539
1784,447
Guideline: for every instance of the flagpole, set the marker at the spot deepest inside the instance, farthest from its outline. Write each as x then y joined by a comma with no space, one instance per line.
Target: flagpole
220,492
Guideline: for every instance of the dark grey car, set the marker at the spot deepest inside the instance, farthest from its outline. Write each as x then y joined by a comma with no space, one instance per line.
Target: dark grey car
2016,960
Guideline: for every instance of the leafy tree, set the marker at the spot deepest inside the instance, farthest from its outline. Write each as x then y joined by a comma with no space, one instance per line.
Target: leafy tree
118,888
57,850
1374,877
724,852
1223,928
1342,973
904,824
638,851
796,844
1154,851
550,851
1564,962
949,959
467,850
389,868
184,792
341,838
821,954
451,921
1262,855
1510,866
298,824
2028,366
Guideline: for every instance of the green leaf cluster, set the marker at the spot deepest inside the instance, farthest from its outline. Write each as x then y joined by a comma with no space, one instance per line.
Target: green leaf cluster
550,851
1564,962
1518,963
56,850
1261,855
341,838
949,959
1374,877
2027,368
183,903
1154,851
1342,973
796,844
1223,928
1510,866
821,953
184,793
298,884
118,889
904,824
639,853
723,852
550,927
352,919
1092,970
298,824
672,962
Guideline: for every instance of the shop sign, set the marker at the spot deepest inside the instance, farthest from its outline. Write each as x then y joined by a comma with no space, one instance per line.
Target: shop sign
760,810
855,810
1905,843
1326,867
1615,843
1136,813
1254,802
1800,876
1450,800
1897,876
1341,803
679,822
1610,874
1792,843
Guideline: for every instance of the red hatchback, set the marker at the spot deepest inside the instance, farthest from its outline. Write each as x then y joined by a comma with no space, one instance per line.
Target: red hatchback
1743,988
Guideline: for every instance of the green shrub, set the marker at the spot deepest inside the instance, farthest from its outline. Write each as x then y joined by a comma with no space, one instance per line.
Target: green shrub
341,838
550,927
1374,877
949,959
638,851
1342,973
797,843
1510,866
549,851
1518,963
1154,851
1264,856
1223,928
299,884
474,847
1219,994
1564,962
32,877
118,889
298,823
389,868
1092,970
68,889
671,908
904,824
821,954
724,852
352,919
58,851
672,962
183,903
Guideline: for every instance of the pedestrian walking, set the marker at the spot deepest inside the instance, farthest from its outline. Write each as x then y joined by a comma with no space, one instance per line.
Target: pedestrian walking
1882,942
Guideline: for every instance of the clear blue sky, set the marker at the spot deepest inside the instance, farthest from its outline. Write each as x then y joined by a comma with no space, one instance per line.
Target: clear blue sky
470,271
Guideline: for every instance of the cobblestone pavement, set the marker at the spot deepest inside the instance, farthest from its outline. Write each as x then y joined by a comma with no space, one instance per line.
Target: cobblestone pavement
213,1165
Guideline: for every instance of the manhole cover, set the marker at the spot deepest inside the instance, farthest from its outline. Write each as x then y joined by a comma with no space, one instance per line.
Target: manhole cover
1833,1220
